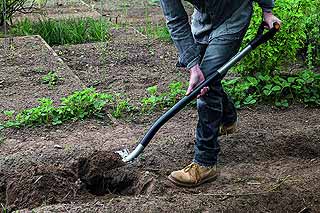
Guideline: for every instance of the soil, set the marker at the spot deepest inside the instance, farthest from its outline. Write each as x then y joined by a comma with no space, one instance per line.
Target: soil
24,62
271,164
40,186
129,63
59,10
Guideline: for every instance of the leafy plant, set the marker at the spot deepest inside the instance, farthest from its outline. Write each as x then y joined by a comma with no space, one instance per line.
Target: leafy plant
160,100
120,106
51,78
77,106
67,31
279,90
296,40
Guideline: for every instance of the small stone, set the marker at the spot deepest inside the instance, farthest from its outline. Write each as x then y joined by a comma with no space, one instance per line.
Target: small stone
57,146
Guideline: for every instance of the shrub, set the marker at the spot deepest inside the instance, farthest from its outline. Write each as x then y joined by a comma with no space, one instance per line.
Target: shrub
298,38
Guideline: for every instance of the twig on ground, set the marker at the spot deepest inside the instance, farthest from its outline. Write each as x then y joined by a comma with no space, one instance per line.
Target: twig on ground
235,195
37,179
279,183
305,210
137,31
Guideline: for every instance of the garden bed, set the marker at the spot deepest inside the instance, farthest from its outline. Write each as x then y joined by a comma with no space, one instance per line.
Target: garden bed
25,63
271,164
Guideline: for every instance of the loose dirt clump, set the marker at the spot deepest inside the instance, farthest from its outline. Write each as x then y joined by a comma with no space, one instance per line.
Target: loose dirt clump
104,172
40,185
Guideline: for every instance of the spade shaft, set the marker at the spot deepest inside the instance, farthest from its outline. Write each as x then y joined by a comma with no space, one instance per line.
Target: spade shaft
259,39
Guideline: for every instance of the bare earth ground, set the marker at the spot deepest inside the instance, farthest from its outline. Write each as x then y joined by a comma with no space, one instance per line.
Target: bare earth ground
128,64
58,9
23,63
271,164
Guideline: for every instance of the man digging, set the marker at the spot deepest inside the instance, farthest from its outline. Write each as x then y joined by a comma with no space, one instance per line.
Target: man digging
215,35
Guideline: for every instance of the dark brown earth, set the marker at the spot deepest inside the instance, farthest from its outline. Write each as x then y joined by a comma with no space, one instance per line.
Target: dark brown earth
40,186
271,164
23,63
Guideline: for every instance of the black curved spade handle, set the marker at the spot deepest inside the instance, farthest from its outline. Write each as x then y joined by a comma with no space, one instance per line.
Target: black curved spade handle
259,39
262,38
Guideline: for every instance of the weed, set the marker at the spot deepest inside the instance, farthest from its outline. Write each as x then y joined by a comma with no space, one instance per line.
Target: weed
3,208
294,41
9,113
261,88
161,100
51,78
120,106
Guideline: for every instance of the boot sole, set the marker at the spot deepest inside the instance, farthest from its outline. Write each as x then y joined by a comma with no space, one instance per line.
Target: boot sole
178,183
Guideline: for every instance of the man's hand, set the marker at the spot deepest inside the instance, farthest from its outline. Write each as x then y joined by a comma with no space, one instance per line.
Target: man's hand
196,77
270,19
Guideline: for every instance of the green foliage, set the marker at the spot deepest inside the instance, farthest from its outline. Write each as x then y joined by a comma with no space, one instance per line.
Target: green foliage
156,31
246,91
156,100
51,78
68,31
154,2
278,90
79,105
120,106
298,37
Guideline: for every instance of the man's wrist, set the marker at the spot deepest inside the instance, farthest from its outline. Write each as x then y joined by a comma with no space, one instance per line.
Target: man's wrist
267,13
195,68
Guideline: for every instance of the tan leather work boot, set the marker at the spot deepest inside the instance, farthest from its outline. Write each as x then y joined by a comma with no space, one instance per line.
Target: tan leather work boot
193,175
228,129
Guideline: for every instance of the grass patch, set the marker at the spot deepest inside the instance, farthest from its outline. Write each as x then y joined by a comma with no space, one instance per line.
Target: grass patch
68,31
156,31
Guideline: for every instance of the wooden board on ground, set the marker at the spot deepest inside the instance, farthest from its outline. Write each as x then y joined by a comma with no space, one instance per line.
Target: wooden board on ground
24,62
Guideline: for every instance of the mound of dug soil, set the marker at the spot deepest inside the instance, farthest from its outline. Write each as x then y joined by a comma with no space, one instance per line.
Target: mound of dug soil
104,172
40,185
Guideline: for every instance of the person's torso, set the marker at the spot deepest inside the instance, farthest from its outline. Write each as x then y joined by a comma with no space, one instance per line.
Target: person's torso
212,18
216,9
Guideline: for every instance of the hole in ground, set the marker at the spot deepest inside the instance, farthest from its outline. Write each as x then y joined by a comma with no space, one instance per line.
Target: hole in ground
104,172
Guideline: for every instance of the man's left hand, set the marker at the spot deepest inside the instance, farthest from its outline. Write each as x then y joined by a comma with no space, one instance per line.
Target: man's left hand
270,19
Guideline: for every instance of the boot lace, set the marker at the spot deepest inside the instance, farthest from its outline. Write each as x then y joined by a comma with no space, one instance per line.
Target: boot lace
193,170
